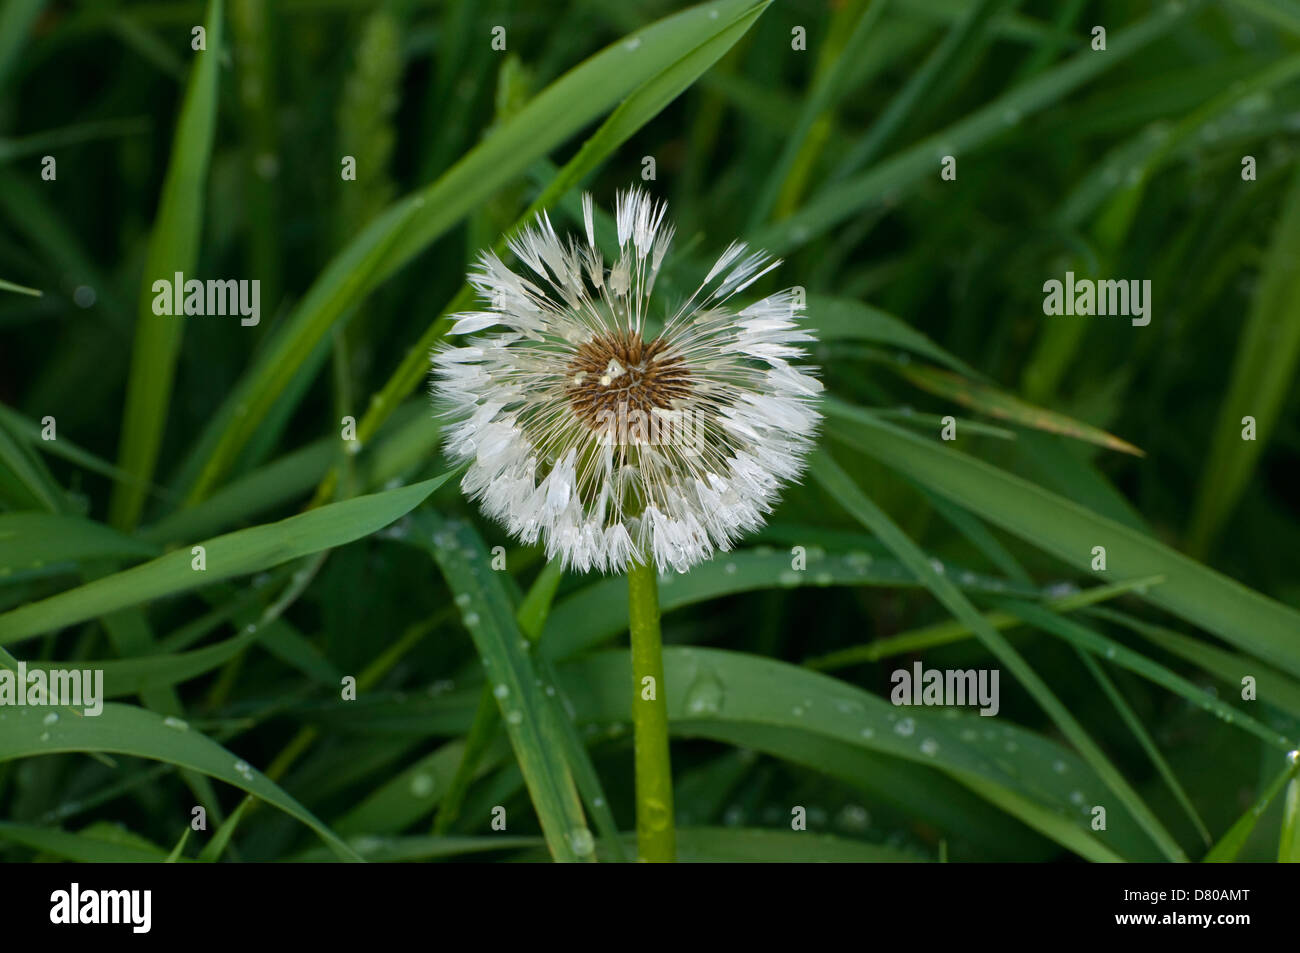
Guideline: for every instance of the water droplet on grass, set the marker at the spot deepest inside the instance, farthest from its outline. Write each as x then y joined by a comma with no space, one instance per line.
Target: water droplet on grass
705,696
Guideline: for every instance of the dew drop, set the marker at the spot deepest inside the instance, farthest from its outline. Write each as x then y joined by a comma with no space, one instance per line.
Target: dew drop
846,706
705,695
582,842
178,724
905,727
656,815
422,786
854,817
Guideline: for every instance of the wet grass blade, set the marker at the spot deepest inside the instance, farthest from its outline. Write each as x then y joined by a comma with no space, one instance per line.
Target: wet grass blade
124,729
842,488
1134,724
530,722
1069,531
598,611
789,712
235,554
954,630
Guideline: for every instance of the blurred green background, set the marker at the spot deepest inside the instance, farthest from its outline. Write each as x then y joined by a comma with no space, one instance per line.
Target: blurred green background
815,129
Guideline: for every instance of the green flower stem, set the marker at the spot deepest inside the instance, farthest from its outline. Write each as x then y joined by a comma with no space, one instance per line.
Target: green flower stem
655,836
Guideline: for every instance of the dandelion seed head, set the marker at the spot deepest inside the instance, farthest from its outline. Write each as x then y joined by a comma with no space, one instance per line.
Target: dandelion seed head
610,427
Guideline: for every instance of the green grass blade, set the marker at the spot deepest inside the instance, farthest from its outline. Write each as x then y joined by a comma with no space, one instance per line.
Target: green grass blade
599,611
1134,724
996,403
214,848
36,541
1272,686
24,480
843,52
124,729
1227,848
1068,531
967,32
79,847
1084,638
173,247
954,630
1288,842
785,710
176,853
843,319
534,735
30,432
1263,374
275,484
20,289
838,484
235,554
842,200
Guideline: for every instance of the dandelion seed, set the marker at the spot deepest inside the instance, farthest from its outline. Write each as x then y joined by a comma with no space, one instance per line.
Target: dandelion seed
612,433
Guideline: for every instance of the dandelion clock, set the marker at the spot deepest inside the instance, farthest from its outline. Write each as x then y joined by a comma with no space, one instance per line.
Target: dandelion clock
626,432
